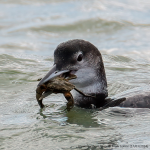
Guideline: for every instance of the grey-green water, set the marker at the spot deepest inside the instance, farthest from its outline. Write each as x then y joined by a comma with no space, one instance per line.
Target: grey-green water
29,33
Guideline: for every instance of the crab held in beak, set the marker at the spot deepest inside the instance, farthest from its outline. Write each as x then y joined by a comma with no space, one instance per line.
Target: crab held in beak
55,82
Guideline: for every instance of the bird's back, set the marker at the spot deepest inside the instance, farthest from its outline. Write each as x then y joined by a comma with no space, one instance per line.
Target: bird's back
135,98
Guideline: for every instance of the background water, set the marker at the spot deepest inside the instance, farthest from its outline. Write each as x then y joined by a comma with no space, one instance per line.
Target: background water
29,33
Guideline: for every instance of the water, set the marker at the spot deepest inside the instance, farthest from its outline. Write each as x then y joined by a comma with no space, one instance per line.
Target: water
29,33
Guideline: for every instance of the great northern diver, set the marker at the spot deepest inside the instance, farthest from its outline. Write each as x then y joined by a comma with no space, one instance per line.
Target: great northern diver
84,60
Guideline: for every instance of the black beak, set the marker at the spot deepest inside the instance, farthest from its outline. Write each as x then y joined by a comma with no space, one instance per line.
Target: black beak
52,74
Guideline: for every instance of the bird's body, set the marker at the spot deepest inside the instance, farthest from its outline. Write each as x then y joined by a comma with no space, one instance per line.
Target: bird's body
135,98
84,60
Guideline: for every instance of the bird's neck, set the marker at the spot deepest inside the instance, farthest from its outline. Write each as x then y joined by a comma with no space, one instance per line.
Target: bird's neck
97,89
95,101
91,82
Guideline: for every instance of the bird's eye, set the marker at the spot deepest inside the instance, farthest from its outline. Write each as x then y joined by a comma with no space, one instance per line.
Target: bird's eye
80,57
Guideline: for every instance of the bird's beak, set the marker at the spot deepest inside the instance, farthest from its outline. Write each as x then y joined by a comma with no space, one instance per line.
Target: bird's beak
52,74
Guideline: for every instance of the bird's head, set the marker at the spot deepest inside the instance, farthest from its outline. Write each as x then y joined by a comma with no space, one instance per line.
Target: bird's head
84,60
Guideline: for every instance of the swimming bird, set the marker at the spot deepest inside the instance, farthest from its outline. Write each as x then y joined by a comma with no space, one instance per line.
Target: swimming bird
83,59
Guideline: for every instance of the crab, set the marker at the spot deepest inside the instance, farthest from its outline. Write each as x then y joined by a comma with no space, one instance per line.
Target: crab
58,85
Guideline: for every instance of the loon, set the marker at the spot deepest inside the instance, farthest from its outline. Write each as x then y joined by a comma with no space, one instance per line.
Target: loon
84,60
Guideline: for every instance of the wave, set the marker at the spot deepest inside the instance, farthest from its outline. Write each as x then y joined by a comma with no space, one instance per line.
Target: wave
97,25
90,25
94,25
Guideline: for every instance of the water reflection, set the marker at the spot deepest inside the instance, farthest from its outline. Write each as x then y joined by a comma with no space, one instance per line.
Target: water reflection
78,116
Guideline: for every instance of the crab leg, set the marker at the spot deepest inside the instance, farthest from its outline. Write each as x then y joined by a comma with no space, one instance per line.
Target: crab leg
70,100
39,92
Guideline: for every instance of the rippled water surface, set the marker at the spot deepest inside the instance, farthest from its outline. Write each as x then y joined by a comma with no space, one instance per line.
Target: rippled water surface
29,33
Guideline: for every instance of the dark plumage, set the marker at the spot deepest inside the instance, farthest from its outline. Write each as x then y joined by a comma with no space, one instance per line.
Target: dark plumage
84,60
